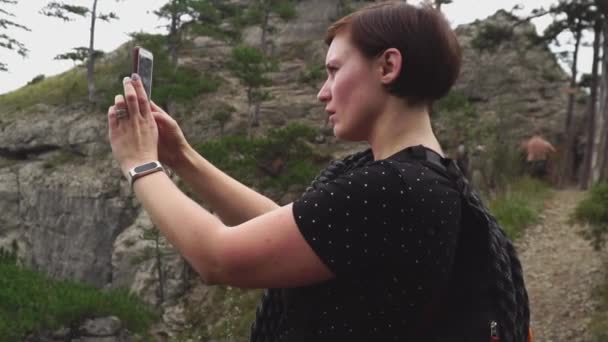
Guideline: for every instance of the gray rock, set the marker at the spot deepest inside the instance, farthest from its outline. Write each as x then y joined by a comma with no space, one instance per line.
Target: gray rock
101,327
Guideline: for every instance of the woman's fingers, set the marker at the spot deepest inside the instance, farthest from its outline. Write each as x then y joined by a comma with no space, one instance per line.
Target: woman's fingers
144,103
112,120
132,98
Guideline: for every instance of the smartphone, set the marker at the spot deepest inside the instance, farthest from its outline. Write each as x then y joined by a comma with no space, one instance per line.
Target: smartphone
143,62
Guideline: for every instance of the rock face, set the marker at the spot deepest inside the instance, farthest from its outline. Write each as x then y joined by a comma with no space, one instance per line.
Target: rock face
103,329
67,211
518,82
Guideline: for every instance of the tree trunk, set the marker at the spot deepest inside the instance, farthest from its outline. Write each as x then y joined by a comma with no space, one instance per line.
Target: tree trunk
173,40
256,115
249,114
159,270
597,156
586,178
568,146
599,167
265,30
91,59
574,71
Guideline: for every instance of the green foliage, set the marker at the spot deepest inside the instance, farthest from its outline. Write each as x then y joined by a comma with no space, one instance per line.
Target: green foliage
36,80
182,83
598,327
313,74
459,117
258,11
187,84
585,81
79,54
226,316
30,301
71,86
519,205
222,115
593,212
7,42
491,36
248,160
65,12
56,90
250,64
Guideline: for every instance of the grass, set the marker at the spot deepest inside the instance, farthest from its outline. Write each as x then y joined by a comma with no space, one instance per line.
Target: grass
226,315
30,301
598,327
70,87
592,213
519,205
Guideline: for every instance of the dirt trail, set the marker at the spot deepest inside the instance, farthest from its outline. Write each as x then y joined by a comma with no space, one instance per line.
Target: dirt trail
560,269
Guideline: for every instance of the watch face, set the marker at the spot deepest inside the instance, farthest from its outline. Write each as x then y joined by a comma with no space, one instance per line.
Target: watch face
146,167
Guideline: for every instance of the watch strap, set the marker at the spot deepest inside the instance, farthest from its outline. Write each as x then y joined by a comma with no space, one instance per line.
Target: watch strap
143,170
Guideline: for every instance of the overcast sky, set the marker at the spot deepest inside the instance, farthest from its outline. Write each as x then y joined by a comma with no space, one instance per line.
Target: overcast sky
50,36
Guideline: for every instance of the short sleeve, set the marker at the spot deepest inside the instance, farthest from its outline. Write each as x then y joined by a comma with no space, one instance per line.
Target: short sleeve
381,215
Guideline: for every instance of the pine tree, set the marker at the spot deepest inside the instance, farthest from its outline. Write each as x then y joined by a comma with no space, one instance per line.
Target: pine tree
6,41
68,12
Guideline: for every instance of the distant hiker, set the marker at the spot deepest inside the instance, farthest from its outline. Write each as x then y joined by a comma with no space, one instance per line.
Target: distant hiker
537,151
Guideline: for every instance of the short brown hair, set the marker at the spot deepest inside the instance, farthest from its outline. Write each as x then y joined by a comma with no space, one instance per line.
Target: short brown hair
430,49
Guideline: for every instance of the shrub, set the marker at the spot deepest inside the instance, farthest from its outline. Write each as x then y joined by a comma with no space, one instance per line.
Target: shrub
35,80
491,36
593,211
30,301
519,205
312,74
248,160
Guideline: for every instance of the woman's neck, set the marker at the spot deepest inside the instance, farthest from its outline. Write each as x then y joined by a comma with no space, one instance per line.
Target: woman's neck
400,126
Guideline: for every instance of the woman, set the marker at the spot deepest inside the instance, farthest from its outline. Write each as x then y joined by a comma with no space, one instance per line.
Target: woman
368,253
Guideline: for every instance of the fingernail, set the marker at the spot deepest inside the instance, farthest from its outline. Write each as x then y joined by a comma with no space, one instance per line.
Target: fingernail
135,77
126,79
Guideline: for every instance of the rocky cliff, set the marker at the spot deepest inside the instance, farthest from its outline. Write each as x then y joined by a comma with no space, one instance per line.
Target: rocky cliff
67,211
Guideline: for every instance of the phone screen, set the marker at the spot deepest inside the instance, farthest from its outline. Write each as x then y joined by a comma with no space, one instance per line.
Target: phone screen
144,67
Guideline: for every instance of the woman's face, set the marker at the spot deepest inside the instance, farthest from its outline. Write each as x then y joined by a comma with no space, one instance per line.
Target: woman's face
353,93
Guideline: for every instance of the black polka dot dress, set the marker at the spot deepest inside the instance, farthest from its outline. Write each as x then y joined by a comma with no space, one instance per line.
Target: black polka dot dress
388,231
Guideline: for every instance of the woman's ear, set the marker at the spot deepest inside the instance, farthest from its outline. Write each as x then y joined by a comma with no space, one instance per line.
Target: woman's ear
391,62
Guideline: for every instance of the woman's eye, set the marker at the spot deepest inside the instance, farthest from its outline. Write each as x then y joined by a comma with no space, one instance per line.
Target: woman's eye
332,70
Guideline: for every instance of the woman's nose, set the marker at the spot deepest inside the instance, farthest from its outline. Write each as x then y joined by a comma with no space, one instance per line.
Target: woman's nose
324,94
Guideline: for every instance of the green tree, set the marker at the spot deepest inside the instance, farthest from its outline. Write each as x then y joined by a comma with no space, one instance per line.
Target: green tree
250,66
153,234
68,12
222,115
599,169
6,41
260,13
196,15
438,3
574,18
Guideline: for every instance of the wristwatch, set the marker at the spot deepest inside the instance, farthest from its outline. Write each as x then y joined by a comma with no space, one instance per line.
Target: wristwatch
143,170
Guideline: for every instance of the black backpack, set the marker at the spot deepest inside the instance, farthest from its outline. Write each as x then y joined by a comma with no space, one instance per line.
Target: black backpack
486,299
486,296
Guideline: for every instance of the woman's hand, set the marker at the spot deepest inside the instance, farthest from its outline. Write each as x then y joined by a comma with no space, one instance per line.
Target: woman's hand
133,132
172,145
